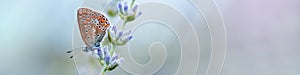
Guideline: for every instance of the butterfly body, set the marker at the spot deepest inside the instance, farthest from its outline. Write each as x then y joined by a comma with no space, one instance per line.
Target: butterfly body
92,26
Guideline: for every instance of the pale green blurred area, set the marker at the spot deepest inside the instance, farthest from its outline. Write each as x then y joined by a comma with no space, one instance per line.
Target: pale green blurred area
34,35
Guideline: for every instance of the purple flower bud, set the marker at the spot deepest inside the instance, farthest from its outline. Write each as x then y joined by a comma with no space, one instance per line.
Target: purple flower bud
114,28
125,8
130,37
120,34
120,6
130,13
100,53
127,33
117,61
114,57
105,51
120,60
134,8
127,39
113,31
139,14
113,63
107,59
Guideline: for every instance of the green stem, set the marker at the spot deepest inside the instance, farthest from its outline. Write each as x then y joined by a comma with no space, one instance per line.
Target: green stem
103,70
132,2
113,49
100,61
123,25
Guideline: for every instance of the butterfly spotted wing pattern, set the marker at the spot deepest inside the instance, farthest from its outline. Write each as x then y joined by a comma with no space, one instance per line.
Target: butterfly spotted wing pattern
92,26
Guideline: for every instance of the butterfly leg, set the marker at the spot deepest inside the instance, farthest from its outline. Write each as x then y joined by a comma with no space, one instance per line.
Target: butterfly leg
85,49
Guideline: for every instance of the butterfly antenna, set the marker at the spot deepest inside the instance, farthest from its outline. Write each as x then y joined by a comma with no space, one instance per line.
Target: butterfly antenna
77,50
74,54
70,51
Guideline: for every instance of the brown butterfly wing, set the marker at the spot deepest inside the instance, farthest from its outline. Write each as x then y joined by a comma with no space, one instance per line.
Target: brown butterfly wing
92,26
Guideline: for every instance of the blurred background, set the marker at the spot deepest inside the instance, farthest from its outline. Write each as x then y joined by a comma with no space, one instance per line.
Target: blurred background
262,36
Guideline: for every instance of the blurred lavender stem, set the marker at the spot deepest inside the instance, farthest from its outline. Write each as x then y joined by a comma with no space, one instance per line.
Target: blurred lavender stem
123,25
132,2
113,49
103,70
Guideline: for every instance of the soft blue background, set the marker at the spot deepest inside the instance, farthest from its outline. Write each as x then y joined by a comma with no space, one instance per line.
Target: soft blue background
35,35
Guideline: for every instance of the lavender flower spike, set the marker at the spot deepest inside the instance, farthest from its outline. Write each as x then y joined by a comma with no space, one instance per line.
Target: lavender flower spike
134,8
125,8
139,14
120,60
127,39
107,59
105,51
100,53
119,35
114,28
114,57
127,33
120,8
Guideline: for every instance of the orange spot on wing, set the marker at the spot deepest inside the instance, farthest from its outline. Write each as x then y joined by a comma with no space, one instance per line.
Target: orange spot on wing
102,21
106,25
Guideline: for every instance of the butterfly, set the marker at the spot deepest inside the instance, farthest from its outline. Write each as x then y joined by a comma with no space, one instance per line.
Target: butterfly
92,26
